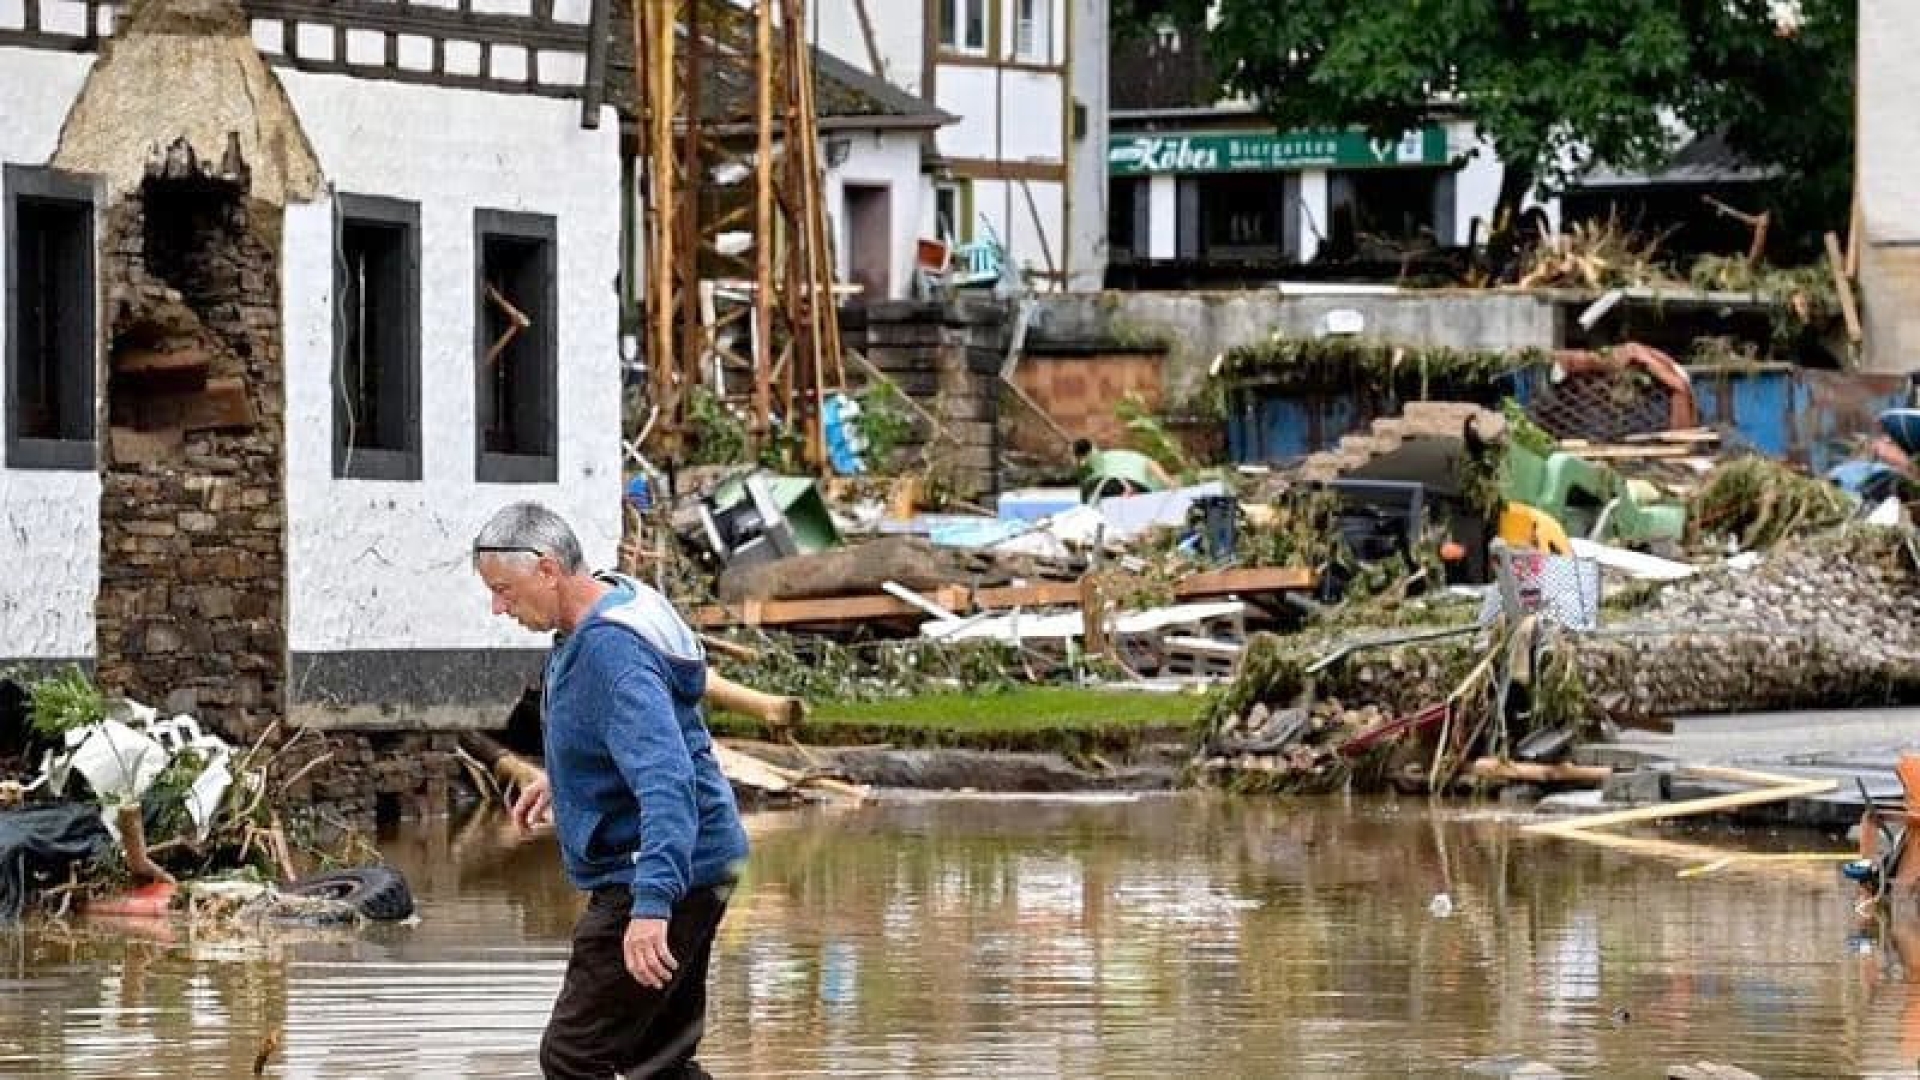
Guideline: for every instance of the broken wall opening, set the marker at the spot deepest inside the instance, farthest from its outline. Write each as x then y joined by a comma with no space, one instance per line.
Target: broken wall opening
191,606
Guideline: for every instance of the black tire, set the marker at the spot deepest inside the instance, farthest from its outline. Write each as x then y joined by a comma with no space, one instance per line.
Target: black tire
377,892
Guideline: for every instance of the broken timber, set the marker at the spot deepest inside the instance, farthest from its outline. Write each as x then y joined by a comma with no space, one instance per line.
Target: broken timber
960,599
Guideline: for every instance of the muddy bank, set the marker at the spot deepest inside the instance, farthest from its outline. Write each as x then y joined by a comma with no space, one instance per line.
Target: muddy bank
1148,768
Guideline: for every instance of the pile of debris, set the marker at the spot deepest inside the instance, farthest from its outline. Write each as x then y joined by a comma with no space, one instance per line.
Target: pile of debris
126,804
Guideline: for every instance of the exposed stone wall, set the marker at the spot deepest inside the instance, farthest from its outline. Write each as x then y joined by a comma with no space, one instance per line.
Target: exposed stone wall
947,358
374,777
191,609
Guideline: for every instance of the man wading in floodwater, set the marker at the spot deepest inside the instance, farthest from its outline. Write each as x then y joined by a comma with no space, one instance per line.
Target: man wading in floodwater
646,822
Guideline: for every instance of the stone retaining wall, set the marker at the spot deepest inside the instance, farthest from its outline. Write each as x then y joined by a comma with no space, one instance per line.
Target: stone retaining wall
947,358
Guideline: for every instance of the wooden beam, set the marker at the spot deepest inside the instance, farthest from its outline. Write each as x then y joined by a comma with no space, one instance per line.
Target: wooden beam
956,598
1837,263
1686,808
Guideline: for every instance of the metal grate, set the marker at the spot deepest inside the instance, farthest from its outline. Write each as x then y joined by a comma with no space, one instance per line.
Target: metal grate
1603,406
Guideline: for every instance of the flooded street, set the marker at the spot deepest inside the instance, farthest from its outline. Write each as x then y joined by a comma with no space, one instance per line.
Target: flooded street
1164,936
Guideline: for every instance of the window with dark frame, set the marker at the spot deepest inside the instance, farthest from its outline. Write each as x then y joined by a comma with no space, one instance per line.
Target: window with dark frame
376,369
963,25
51,297
516,348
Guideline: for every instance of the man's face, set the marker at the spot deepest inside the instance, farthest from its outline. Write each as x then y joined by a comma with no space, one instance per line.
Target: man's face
525,588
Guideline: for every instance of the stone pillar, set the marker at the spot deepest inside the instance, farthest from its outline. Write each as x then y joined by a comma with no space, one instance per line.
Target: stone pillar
191,609
947,357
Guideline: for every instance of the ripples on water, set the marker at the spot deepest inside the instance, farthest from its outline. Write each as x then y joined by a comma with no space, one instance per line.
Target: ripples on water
972,938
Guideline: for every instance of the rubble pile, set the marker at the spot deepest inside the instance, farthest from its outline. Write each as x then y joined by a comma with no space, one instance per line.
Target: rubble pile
1825,622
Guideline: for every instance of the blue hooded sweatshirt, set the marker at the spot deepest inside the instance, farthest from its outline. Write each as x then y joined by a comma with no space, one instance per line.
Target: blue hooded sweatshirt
638,799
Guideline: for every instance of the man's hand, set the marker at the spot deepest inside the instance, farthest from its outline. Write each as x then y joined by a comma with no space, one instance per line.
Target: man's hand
534,807
648,958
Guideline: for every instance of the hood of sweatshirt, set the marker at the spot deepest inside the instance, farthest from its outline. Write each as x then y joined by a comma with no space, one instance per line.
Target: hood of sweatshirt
642,610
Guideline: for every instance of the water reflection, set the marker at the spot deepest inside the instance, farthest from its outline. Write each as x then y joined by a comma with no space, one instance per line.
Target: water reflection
1026,938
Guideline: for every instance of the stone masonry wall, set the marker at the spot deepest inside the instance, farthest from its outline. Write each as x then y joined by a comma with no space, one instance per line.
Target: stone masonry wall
374,777
191,608
946,357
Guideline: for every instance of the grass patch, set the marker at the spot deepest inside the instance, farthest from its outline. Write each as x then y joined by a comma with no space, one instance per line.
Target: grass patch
1064,719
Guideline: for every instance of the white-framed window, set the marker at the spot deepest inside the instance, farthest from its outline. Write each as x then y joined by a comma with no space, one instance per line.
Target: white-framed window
963,25
1033,31
953,211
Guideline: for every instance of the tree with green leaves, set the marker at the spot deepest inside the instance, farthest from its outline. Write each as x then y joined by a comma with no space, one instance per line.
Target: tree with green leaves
1555,85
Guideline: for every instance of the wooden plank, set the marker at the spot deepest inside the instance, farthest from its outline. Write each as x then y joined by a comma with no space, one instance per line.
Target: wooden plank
1686,808
1677,435
1838,264
1213,583
1246,580
1623,453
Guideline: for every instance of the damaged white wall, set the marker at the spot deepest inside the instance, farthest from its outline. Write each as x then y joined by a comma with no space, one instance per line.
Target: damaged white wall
880,159
383,565
49,519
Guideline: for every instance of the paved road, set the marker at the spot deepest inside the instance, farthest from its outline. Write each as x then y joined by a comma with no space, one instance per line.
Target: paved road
1848,745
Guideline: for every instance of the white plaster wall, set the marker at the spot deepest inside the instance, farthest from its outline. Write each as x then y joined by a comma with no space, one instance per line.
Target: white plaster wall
1889,143
1087,158
889,159
49,519
1023,233
1888,159
380,565
991,205
1032,116
968,93
898,31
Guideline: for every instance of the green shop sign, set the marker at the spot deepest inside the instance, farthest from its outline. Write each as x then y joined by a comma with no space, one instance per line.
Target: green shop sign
1150,153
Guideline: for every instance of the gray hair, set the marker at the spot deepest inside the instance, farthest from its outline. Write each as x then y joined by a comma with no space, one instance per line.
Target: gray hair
527,529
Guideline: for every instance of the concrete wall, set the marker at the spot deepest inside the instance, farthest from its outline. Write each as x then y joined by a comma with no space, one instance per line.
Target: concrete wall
378,565
49,519
1200,326
889,159
1888,154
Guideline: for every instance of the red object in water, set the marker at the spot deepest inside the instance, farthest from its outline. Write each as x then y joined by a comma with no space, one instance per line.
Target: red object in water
149,900
1387,729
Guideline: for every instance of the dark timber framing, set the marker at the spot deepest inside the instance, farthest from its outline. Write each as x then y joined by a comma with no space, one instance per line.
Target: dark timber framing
76,199
393,451
535,386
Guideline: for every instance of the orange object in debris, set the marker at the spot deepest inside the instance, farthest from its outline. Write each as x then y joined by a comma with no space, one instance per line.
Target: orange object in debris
1527,526
1452,551
150,900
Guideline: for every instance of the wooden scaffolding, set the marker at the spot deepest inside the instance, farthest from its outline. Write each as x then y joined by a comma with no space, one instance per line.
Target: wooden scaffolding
729,156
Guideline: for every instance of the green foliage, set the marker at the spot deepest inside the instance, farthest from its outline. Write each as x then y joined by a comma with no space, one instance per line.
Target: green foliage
884,422
1301,528
168,795
1801,296
1046,718
1557,84
720,437
1760,502
1150,436
1523,432
1416,373
64,702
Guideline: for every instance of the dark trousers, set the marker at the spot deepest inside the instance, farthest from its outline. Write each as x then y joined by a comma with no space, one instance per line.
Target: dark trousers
605,1022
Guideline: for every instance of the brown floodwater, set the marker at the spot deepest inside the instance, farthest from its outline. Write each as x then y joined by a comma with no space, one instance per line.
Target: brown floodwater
1012,937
